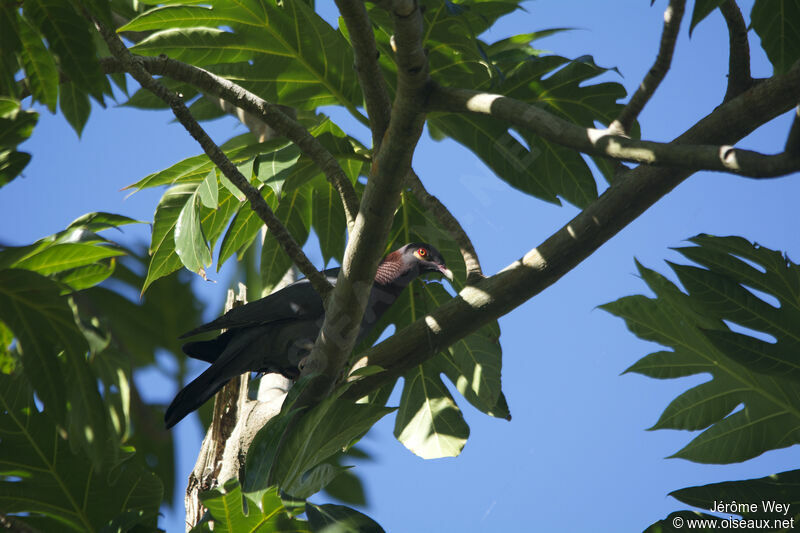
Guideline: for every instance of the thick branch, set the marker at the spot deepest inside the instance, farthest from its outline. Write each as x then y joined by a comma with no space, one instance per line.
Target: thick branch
131,65
271,114
541,267
450,223
672,23
694,157
739,78
381,197
376,96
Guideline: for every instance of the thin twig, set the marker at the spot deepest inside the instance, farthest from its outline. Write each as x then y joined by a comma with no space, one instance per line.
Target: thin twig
739,78
376,95
672,23
135,68
605,143
270,113
450,223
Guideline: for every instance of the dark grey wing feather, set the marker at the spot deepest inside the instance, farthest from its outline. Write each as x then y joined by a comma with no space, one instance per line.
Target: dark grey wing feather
296,301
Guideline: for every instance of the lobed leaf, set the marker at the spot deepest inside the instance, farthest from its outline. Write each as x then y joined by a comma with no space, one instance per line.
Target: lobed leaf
760,377
56,487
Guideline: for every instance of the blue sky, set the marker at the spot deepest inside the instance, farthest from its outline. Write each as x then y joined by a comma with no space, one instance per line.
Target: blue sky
576,456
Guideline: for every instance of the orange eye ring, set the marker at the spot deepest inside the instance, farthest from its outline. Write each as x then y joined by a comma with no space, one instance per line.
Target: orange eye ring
422,252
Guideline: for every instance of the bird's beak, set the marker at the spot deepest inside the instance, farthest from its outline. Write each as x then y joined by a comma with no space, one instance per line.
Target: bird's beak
446,272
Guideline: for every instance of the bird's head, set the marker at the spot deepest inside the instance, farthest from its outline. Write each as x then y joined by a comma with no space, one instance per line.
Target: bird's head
408,262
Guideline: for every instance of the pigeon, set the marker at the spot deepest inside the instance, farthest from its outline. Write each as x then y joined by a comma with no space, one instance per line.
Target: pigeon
275,333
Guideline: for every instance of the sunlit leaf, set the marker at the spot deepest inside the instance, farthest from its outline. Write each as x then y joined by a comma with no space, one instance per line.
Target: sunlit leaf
190,241
229,515
429,423
163,257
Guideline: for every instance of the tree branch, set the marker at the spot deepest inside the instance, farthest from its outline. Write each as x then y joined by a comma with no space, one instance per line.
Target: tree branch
739,78
136,69
793,140
381,197
604,143
672,23
451,224
270,113
542,266
376,96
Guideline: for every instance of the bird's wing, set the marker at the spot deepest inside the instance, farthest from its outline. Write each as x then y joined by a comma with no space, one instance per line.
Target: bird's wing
298,300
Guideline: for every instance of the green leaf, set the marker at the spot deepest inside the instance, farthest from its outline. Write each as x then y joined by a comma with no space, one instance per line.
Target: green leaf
66,256
86,276
198,46
59,488
16,126
473,366
722,290
505,155
429,423
69,37
229,515
8,360
262,453
294,210
331,518
320,433
12,163
208,190
702,8
239,150
244,228
75,105
113,369
100,221
40,69
472,363
275,167
315,480
347,488
783,488
163,257
329,221
27,301
691,325
214,221
174,17
190,241
776,23
43,323
284,52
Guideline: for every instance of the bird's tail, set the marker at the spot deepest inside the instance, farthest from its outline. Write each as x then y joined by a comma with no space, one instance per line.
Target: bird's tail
194,395
209,350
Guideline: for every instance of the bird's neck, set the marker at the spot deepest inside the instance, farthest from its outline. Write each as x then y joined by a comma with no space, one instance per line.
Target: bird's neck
390,272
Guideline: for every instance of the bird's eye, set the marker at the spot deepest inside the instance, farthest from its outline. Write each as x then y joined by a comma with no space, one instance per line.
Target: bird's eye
422,252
